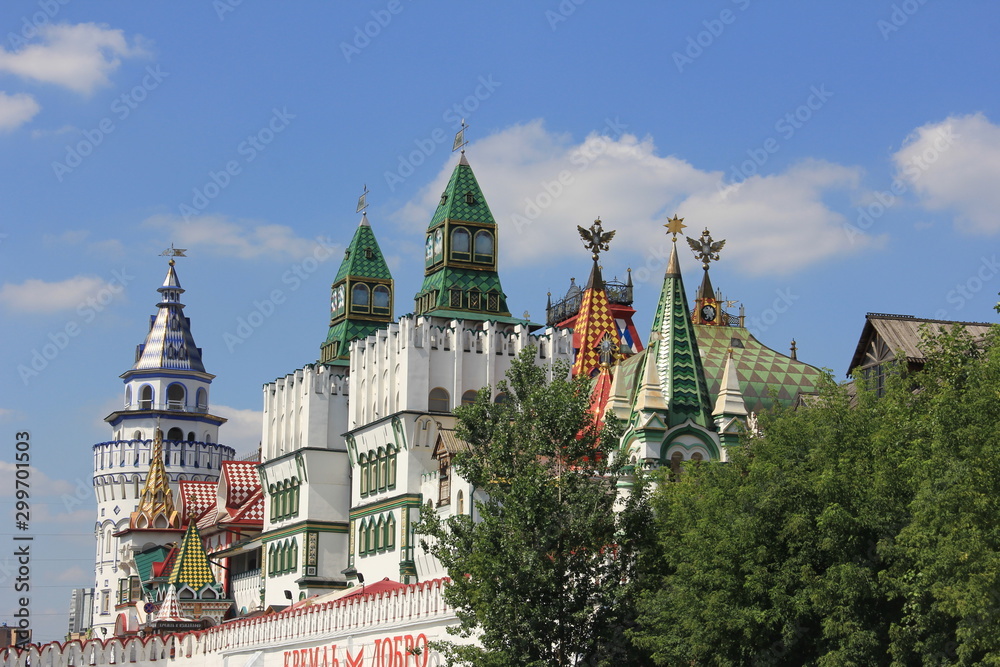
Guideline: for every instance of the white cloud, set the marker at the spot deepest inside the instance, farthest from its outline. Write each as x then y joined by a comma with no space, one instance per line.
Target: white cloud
540,185
244,239
16,110
39,296
41,484
243,429
955,165
79,57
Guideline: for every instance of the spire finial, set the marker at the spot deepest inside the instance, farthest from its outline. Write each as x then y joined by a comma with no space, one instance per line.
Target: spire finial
675,226
596,239
173,252
706,249
460,141
363,201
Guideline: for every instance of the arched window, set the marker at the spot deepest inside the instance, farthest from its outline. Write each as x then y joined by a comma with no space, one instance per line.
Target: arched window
192,439
469,397
380,534
362,538
137,435
359,298
380,300
371,536
128,396
175,397
390,532
202,398
438,400
460,244
438,245
484,247
363,470
293,560
697,457
459,503
675,464
146,397
501,398
391,475
383,469
175,434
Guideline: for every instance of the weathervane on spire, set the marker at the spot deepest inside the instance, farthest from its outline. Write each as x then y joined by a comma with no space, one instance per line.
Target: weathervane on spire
675,226
705,249
363,200
173,252
596,239
460,141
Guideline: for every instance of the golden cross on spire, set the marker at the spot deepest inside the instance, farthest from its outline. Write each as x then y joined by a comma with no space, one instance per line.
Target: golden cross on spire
596,239
675,226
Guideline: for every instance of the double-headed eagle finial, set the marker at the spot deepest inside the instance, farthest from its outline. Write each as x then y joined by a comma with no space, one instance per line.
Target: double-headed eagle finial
595,239
705,248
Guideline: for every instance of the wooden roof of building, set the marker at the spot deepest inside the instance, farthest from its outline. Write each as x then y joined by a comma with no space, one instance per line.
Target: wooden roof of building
901,333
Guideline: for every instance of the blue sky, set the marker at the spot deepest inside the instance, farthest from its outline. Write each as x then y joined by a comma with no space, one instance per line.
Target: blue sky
848,152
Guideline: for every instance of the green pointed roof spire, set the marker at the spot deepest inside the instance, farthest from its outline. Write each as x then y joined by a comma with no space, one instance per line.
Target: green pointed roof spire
361,296
460,264
675,349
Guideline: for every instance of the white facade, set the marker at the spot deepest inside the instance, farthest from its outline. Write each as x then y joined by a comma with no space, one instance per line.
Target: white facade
405,381
306,478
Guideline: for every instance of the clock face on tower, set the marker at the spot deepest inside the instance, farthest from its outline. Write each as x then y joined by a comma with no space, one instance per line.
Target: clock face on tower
708,312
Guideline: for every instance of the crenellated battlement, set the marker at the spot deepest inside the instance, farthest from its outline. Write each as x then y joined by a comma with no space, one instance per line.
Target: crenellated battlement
298,408
373,627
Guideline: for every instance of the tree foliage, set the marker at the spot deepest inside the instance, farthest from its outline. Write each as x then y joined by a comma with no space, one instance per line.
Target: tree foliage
546,574
859,531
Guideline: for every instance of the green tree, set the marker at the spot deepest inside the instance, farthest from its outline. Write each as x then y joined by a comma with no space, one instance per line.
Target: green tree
859,531
546,575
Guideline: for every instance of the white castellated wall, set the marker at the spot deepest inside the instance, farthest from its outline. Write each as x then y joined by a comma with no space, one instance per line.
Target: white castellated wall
306,478
405,381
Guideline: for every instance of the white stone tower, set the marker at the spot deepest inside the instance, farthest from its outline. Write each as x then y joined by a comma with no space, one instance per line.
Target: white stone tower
167,389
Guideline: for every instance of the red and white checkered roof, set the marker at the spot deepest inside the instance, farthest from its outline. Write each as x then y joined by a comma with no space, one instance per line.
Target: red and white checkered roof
241,480
196,498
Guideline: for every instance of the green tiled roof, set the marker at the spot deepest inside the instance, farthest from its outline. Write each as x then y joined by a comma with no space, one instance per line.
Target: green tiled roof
454,204
356,261
678,362
445,278
347,330
760,368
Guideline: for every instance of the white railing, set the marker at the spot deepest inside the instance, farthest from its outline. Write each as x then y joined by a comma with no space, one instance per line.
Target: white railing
246,589
416,603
